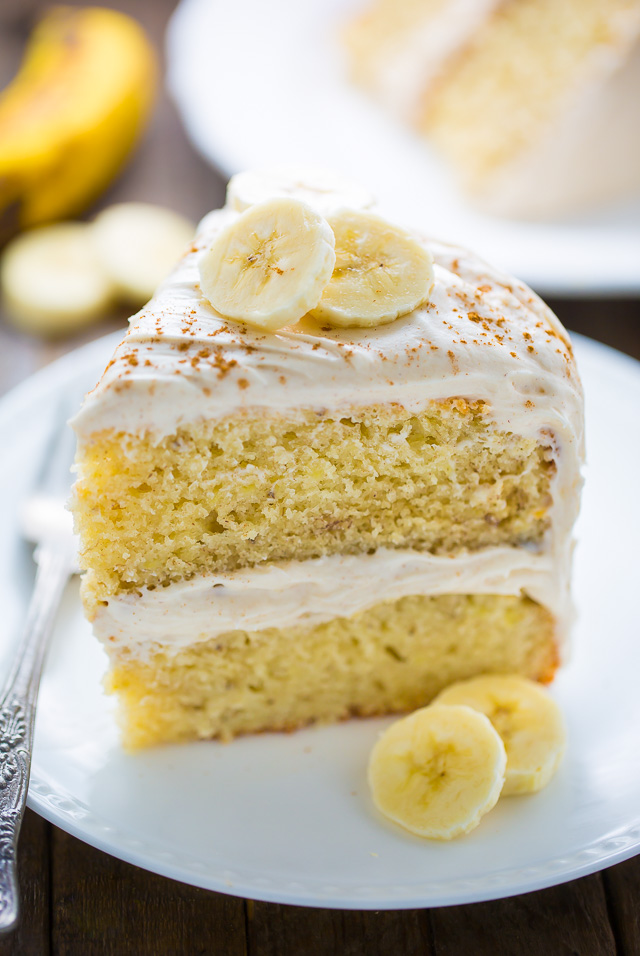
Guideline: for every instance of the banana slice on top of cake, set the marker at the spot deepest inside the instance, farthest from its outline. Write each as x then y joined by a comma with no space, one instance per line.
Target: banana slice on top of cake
339,501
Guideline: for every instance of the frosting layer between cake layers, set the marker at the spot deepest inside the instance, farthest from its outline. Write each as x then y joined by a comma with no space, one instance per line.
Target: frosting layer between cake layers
286,594
481,337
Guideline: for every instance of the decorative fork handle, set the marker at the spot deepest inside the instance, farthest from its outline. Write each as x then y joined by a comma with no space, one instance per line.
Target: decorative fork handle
17,715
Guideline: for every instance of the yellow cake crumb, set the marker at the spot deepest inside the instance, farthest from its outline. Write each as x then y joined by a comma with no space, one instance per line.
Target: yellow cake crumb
493,99
234,493
393,657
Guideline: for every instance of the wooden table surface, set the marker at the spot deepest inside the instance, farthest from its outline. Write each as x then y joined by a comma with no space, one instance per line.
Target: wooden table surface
78,900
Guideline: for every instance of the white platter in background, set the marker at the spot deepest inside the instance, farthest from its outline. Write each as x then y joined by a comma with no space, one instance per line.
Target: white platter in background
288,818
261,83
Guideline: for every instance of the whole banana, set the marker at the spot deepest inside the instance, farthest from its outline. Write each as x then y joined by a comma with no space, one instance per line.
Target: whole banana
72,114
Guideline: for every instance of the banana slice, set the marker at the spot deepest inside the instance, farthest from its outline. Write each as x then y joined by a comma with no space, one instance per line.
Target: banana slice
52,280
528,720
269,267
438,771
138,245
324,189
381,272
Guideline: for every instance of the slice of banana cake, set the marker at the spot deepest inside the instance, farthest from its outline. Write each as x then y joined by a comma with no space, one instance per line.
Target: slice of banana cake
332,468
531,104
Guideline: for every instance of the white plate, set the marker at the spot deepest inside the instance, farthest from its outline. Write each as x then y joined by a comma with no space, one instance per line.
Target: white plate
288,817
260,83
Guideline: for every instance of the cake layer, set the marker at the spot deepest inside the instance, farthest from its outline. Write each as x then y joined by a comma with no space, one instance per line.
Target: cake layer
525,104
396,656
398,50
589,156
376,35
232,494
305,593
532,102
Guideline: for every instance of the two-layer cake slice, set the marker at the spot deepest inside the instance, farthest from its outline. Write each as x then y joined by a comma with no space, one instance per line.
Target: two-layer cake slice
312,523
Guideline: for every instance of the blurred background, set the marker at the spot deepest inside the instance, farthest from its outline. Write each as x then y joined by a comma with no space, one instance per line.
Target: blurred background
89,126
162,168
123,123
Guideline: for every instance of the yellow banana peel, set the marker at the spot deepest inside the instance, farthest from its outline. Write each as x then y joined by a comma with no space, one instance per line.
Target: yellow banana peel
73,113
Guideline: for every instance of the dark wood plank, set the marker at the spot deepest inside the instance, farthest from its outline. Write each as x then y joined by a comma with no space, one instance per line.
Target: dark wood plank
568,920
622,886
616,322
32,934
104,907
275,930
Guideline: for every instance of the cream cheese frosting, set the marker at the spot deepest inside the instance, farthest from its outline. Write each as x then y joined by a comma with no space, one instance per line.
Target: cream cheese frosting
290,593
481,336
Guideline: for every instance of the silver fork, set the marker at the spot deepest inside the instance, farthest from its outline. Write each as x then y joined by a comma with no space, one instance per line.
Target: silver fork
44,522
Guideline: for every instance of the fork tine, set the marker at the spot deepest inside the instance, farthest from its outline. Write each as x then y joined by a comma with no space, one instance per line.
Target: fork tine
55,559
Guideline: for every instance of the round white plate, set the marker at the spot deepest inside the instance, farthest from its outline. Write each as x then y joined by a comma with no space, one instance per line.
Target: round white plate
260,83
288,817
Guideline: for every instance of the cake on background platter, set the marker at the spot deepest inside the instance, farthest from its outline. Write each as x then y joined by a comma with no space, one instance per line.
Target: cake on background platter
532,103
337,514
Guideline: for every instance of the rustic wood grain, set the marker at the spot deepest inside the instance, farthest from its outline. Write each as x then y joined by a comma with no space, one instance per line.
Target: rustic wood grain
616,322
32,935
78,900
568,920
273,930
101,906
622,886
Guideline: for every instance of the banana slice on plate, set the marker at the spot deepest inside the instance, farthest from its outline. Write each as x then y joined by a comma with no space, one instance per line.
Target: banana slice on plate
381,272
52,280
268,268
528,720
438,771
324,189
139,244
